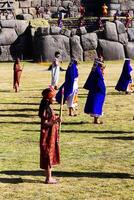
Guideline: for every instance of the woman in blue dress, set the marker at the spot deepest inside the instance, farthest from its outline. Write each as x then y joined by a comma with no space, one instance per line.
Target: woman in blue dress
97,92
125,81
70,88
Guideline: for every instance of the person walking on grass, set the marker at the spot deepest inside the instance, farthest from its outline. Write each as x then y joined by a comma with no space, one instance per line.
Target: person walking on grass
124,83
49,138
55,70
70,88
17,71
97,92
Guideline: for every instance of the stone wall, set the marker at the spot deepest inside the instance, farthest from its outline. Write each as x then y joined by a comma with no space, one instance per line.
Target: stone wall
114,42
28,7
18,39
122,6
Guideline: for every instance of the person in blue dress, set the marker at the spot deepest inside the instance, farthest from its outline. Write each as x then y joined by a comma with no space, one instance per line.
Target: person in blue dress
97,91
124,83
70,88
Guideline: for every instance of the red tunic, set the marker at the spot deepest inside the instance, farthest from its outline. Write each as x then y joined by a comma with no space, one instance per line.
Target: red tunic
49,141
17,75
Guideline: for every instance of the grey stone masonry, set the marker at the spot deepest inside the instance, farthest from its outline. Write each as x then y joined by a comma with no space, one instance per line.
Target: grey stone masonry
21,7
72,6
17,37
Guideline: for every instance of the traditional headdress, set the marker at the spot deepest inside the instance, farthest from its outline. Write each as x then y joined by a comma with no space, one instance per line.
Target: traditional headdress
48,93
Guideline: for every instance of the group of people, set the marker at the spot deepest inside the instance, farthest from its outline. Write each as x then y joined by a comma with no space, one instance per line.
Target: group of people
49,140
68,92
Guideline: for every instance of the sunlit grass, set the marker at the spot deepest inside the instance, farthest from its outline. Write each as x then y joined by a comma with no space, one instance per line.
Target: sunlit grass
97,161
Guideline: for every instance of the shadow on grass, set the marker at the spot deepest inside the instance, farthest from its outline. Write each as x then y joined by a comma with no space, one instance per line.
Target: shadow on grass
75,123
80,96
19,180
101,175
19,103
18,115
116,138
96,131
7,91
19,110
95,175
21,122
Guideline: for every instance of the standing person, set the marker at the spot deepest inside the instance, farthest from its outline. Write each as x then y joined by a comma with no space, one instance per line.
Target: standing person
68,10
128,20
37,8
55,71
70,88
104,10
82,10
116,15
60,22
17,74
97,91
81,22
49,138
99,23
125,81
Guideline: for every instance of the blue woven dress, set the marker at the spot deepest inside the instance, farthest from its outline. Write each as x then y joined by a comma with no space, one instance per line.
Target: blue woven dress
97,92
125,77
68,85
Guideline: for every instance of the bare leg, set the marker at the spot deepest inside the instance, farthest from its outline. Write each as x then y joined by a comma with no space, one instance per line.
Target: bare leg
49,179
97,121
70,111
16,88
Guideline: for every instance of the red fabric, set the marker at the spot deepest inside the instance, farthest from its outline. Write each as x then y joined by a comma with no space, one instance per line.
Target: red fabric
82,10
49,142
17,75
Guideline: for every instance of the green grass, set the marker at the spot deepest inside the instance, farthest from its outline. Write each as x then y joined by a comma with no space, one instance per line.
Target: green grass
97,161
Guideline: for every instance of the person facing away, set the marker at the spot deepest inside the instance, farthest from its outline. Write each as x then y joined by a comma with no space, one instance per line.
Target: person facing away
104,10
70,88
97,92
49,138
55,71
17,74
125,81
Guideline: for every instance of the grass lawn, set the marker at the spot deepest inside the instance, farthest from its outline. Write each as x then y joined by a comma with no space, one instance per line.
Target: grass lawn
97,161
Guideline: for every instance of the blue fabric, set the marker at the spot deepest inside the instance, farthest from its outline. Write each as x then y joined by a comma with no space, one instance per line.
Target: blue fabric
97,92
125,77
71,74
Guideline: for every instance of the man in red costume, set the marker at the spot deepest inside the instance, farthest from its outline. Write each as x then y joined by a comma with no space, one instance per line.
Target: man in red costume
49,138
17,74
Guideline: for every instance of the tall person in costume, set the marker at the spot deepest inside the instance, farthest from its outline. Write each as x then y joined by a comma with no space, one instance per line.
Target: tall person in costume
124,83
97,92
70,88
17,69
49,138
55,71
